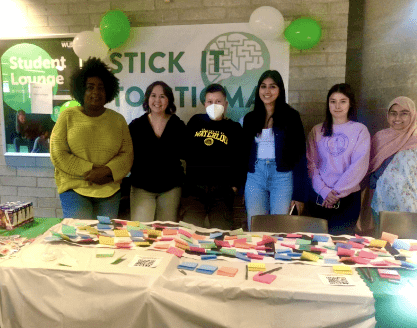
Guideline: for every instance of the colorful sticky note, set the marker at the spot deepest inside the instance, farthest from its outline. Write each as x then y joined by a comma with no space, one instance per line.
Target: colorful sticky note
309,256
320,238
104,219
256,267
342,269
242,257
228,251
294,235
389,274
136,233
389,237
169,232
222,243
283,257
227,271
367,255
345,252
185,233
208,257
104,226
106,240
187,266
186,239
356,245
377,243
184,224
401,244
331,261
236,232
360,260
266,278
121,233
68,230
197,237
161,246
215,235
154,233
133,223
300,241
104,252
207,269
176,251
142,243
254,256
197,249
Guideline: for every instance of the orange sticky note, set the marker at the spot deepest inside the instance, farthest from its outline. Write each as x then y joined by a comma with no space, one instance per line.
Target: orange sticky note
168,232
161,246
197,237
227,271
389,237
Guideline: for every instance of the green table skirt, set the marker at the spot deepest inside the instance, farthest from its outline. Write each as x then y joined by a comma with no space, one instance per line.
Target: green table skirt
395,304
33,229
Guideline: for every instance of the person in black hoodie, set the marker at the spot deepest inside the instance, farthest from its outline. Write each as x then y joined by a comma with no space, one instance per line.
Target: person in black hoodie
158,142
214,163
276,150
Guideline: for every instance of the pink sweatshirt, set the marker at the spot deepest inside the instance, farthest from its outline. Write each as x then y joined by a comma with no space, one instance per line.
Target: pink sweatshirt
339,162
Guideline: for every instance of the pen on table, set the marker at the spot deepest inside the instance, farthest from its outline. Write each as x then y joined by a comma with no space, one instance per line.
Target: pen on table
270,271
182,271
247,272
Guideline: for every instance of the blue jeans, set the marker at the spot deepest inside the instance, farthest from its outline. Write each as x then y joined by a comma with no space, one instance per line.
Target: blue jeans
77,206
267,191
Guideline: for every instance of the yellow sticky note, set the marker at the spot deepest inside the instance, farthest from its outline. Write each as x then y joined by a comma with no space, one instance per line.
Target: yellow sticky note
256,267
309,256
154,233
378,243
106,240
342,269
142,243
121,233
182,246
92,230
133,223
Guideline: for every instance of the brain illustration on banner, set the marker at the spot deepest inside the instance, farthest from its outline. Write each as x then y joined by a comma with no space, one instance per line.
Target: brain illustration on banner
23,64
59,109
236,60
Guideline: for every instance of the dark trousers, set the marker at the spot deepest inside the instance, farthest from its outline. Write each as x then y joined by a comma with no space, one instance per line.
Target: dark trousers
216,202
19,141
341,221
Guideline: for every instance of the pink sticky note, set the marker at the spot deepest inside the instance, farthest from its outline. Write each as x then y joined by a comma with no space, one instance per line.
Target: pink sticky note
381,263
367,255
262,248
365,239
176,251
123,245
360,260
269,238
389,237
122,222
242,245
197,249
262,242
294,235
413,248
239,241
254,256
180,241
288,245
356,245
166,238
158,226
345,252
323,250
185,233
266,278
222,243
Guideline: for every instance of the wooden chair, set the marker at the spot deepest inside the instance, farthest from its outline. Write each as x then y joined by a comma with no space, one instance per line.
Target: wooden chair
403,224
288,223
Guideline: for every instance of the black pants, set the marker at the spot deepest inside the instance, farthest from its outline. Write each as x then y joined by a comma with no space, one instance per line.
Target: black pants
216,202
341,221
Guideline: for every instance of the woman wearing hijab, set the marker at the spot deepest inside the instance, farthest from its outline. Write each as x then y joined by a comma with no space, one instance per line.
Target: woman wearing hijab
393,165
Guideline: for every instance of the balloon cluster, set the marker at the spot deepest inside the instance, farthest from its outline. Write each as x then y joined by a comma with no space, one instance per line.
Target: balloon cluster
114,31
268,23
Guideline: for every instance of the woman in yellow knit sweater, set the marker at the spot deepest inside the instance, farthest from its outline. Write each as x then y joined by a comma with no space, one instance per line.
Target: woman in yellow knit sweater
91,147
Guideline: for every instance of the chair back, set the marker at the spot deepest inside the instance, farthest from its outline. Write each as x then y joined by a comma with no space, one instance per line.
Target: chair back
403,224
288,223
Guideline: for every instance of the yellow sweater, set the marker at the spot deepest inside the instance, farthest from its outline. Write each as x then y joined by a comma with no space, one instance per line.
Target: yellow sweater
78,141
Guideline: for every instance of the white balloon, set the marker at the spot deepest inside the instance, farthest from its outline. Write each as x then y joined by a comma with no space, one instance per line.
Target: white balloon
89,44
267,23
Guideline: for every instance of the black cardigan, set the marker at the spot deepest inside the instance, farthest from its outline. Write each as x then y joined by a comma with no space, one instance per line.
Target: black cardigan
156,165
290,147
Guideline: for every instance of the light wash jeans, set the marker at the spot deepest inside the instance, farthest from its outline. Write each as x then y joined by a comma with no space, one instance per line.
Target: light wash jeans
77,206
267,191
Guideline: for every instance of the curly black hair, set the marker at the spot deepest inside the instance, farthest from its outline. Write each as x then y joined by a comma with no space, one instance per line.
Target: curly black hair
171,108
94,67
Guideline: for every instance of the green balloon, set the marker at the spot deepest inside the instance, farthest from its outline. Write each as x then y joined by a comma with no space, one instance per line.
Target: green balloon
303,33
114,28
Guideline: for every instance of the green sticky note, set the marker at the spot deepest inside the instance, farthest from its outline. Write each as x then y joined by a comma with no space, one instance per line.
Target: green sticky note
186,239
129,228
183,224
228,251
208,245
304,247
236,232
144,227
68,230
330,247
300,241
247,237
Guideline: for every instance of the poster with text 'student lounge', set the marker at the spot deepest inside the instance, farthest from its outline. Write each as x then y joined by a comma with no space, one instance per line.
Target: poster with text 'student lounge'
188,58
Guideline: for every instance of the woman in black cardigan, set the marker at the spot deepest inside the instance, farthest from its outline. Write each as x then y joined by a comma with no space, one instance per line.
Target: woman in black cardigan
275,145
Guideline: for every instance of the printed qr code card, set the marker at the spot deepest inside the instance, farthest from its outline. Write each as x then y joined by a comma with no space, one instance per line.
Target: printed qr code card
336,280
145,261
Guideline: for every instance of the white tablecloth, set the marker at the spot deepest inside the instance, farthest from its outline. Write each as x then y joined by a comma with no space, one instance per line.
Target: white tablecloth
93,293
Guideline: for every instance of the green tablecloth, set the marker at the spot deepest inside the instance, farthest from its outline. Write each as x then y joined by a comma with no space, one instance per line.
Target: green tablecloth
395,304
33,229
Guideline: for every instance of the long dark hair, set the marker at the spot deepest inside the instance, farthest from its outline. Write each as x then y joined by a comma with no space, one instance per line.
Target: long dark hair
260,111
171,108
345,89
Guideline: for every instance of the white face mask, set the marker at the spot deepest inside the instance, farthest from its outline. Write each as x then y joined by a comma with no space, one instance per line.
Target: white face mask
215,111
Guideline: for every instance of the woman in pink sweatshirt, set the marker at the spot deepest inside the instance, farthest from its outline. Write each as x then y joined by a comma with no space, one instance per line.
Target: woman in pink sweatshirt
338,159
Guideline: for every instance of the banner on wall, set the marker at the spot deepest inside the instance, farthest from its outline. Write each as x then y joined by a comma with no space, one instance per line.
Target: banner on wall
188,58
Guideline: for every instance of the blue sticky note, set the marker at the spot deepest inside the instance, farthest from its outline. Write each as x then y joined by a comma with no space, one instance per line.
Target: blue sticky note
136,233
205,241
341,245
408,265
215,234
283,251
187,266
331,261
209,257
104,219
242,256
104,226
207,269
320,238
294,254
401,244
283,257
357,240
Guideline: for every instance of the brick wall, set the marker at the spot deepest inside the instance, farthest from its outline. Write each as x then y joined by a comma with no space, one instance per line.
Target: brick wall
312,72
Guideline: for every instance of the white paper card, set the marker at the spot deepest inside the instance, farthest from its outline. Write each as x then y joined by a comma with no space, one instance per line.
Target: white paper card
41,98
337,280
